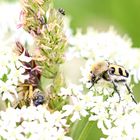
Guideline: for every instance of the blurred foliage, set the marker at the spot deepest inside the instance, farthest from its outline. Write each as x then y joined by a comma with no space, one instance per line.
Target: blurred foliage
123,14
8,0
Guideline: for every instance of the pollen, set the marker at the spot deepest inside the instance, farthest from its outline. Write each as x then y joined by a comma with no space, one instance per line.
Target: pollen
78,107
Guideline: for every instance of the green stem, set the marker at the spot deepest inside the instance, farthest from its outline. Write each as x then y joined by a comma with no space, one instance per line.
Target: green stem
85,131
8,104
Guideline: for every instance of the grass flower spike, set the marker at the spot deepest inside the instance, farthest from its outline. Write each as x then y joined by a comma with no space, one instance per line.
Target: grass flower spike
47,29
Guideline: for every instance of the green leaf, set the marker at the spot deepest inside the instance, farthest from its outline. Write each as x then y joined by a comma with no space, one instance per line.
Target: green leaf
4,78
85,130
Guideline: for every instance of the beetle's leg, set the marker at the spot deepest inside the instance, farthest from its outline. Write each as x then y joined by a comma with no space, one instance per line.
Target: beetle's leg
115,88
130,92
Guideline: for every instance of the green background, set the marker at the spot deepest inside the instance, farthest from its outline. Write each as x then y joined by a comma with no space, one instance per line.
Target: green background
124,15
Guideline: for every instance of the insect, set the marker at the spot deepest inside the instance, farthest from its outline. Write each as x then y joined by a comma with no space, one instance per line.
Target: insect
110,72
62,11
29,96
38,98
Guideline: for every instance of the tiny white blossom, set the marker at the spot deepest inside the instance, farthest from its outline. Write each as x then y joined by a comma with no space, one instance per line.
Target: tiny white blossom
77,109
72,90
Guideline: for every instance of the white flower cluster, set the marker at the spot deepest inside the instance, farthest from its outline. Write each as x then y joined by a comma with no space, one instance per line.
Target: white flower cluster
32,123
125,119
12,72
117,119
106,45
11,67
76,109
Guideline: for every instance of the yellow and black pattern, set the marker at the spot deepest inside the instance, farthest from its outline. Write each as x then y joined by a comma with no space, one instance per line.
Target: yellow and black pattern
118,70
